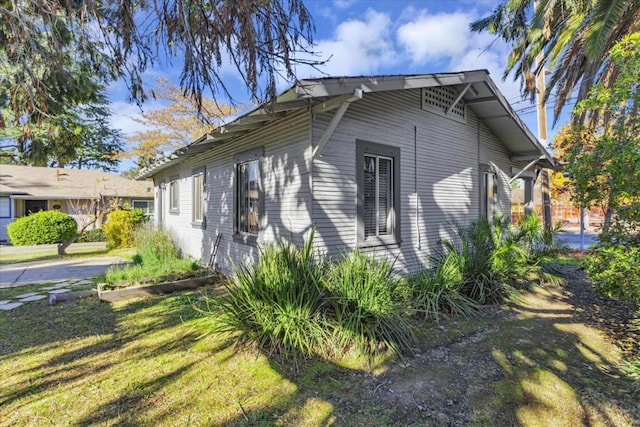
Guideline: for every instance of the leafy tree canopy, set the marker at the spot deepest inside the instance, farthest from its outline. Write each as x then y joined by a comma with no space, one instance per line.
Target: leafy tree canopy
174,125
604,157
124,38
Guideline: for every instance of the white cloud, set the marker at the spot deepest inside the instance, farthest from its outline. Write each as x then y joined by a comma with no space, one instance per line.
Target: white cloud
446,38
433,37
123,114
343,4
358,46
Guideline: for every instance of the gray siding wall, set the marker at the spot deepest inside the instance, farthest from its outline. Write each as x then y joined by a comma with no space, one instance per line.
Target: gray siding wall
440,181
285,181
439,158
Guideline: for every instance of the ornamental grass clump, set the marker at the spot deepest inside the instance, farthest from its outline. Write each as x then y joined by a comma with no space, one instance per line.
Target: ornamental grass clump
157,255
440,290
498,258
366,307
278,303
296,303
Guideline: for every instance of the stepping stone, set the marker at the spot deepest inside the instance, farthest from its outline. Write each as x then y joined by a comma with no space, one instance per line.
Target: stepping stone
5,301
61,285
82,282
59,291
10,306
30,294
33,298
49,288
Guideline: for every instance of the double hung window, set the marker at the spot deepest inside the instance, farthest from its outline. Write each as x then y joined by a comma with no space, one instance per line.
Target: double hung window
489,203
249,200
378,193
174,195
198,198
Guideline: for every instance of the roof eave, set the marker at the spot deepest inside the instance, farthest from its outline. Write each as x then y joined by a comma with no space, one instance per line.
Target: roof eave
303,92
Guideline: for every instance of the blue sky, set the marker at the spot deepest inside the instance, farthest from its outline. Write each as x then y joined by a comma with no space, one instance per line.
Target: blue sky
383,37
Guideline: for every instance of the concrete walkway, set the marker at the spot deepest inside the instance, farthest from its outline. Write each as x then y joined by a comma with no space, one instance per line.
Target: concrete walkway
12,275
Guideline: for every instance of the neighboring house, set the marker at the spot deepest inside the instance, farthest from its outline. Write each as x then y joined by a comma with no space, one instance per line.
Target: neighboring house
383,163
28,189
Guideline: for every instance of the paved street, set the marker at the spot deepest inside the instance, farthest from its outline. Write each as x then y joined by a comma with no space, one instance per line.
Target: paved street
53,270
572,238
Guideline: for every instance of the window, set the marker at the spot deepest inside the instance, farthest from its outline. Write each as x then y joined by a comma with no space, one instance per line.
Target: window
198,198
378,193
5,207
249,203
145,205
489,194
174,195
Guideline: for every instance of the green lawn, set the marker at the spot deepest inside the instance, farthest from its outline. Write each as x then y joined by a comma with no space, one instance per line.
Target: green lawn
150,362
52,254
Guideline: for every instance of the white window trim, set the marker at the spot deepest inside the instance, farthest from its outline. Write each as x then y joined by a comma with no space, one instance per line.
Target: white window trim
174,188
198,192
148,202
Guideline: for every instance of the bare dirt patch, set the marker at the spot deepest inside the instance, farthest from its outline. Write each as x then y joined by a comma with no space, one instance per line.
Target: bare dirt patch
550,358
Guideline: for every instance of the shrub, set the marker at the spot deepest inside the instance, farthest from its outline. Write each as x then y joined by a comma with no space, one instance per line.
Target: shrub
497,259
296,303
45,227
365,304
440,290
120,227
95,235
277,303
614,271
155,245
537,239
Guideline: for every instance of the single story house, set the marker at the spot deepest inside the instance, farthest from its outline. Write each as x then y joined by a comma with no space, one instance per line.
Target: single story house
383,163
29,189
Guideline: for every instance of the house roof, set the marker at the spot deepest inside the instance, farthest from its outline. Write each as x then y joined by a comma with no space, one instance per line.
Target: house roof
475,88
30,182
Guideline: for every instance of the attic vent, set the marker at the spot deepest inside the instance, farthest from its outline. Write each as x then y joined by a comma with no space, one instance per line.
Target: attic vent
438,99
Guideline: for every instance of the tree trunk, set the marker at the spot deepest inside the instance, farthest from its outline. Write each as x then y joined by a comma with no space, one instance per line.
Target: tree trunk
62,247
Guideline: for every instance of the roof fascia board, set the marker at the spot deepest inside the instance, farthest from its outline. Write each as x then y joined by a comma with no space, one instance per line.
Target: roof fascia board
344,86
507,107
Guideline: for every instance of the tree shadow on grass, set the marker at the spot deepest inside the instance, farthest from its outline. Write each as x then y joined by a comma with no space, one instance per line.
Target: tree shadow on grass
534,362
522,363
59,347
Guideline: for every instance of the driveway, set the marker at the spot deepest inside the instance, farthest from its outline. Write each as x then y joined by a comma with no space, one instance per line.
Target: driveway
53,271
